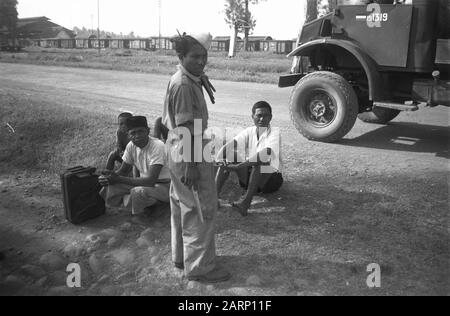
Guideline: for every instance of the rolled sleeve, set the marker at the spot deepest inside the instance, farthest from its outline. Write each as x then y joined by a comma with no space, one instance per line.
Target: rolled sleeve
274,143
183,105
158,156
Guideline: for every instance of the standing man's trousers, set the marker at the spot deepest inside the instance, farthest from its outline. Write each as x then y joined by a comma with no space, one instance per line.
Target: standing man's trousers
193,241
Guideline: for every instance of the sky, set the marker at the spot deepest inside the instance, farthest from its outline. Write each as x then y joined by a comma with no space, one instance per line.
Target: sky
280,19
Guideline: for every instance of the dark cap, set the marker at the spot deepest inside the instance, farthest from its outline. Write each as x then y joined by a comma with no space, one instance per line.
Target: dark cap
136,122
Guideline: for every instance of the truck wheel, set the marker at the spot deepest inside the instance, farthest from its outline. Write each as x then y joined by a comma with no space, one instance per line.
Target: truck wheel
379,115
323,106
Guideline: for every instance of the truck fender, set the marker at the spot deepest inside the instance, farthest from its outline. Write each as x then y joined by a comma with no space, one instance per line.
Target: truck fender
367,63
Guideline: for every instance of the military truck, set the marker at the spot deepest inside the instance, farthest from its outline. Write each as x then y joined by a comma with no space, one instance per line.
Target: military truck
369,60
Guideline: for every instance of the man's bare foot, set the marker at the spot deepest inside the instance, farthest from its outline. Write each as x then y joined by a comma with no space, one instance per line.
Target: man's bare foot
242,207
224,204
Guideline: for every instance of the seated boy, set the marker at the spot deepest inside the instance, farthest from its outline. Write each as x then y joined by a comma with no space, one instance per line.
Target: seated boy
121,142
147,154
260,171
160,131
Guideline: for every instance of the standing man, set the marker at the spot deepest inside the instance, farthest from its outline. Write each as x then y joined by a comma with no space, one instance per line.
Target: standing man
193,195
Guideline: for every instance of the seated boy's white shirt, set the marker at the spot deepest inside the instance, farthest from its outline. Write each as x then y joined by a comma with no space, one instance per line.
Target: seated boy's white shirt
249,144
152,154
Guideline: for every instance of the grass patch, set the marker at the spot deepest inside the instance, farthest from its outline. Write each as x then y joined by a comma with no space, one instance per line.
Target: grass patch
261,67
50,137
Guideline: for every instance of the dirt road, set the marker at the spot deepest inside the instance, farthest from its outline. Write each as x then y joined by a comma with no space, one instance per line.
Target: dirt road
381,195
143,91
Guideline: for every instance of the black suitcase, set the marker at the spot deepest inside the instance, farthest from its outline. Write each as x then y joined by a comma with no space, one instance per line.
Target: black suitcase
82,200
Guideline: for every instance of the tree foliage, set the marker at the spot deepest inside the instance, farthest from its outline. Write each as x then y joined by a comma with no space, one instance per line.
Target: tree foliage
236,17
324,7
8,16
239,17
317,8
311,10
249,20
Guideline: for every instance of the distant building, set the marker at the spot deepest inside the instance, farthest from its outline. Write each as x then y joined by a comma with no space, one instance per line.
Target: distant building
81,42
259,38
163,43
221,43
41,31
278,47
255,42
42,28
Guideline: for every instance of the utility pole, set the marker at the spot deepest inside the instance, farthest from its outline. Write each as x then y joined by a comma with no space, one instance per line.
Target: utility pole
98,25
246,29
159,8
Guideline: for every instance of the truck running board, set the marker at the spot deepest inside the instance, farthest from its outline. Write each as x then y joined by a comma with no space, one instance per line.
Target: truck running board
396,106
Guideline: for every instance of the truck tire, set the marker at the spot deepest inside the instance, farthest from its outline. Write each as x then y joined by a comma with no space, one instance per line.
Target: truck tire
323,107
379,115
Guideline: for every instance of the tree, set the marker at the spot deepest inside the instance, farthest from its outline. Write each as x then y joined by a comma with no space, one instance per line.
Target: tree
249,20
8,18
239,17
324,7
234,16
311,10
76,30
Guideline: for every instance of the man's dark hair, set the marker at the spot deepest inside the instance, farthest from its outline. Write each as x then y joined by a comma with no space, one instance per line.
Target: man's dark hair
183,44
125,115
261,105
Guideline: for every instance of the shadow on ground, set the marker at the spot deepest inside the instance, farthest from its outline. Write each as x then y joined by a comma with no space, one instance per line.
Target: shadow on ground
409,137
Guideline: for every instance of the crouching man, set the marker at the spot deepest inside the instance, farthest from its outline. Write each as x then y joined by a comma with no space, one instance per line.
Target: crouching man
260,171
148,156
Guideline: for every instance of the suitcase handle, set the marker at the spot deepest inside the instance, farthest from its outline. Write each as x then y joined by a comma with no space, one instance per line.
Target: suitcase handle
89,170
74,169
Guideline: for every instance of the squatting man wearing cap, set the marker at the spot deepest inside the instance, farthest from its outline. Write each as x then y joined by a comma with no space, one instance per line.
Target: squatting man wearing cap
255,156
148,156
193,195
